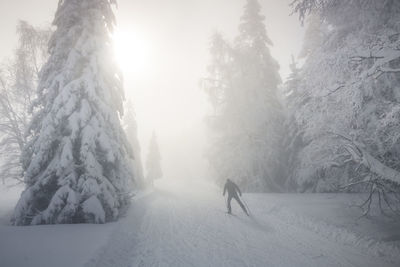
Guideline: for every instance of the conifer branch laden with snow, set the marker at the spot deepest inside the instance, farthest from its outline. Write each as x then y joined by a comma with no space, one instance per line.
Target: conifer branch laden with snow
78,161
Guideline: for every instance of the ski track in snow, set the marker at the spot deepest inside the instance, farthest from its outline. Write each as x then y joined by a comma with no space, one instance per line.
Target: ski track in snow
178,226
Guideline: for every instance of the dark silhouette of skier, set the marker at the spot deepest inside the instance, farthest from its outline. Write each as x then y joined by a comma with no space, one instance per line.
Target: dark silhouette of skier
233,191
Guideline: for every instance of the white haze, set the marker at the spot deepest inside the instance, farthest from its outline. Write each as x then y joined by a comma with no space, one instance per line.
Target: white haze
164,51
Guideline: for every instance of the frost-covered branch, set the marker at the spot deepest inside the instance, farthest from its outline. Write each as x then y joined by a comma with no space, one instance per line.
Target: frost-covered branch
380,178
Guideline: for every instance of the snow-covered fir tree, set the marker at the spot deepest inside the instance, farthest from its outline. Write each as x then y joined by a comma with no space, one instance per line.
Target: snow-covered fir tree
247,122
348,107
130,127
153,161
77,162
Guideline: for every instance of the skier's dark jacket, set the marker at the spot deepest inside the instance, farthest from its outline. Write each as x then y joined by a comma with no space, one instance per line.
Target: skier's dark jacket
232,188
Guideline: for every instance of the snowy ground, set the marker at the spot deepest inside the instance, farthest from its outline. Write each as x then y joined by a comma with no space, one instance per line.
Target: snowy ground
185,224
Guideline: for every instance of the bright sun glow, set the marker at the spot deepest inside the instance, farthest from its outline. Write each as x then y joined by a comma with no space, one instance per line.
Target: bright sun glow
133,52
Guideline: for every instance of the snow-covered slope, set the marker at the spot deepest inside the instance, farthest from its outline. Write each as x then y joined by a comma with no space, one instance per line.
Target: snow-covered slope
8,197
47,245
185,224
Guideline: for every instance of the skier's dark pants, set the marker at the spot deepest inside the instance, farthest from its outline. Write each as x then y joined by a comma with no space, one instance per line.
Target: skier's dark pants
235,196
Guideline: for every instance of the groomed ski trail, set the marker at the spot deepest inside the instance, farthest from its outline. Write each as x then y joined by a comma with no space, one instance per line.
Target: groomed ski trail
185,224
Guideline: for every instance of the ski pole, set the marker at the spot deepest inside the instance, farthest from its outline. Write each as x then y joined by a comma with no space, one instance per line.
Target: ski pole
247,207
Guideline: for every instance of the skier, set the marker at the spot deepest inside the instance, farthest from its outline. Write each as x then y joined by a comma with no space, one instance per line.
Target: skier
233,191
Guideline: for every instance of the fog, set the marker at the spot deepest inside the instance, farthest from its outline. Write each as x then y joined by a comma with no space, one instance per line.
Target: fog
262,164
163,51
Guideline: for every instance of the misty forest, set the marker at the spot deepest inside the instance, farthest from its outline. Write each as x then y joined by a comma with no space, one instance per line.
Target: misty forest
199,133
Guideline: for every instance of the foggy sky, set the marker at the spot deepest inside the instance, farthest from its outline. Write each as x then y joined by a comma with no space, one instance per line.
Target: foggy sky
167,96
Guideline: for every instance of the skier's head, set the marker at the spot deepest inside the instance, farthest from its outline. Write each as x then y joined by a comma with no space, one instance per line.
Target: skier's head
228,180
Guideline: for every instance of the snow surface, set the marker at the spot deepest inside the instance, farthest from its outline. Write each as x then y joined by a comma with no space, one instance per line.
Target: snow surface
185,224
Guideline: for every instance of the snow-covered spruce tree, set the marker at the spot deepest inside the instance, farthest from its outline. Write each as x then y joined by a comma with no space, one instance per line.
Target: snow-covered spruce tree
246,145
130,127
153,161
216,85
77,161
349,122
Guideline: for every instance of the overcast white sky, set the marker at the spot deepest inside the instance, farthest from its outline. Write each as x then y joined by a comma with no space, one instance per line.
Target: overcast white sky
174,39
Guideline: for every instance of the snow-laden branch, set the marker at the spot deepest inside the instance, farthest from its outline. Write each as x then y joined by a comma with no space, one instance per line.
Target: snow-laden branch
378,177
361,156
382,55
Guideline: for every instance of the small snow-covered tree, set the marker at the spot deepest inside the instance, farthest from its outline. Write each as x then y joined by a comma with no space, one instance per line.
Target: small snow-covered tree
247,121
18,80
77,161
131,130
153,161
